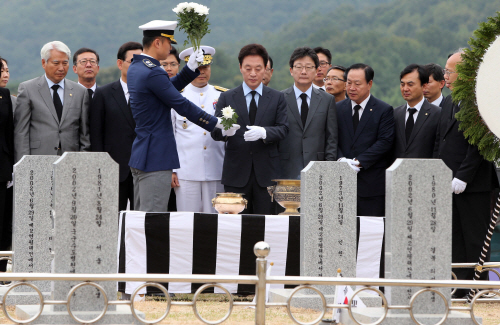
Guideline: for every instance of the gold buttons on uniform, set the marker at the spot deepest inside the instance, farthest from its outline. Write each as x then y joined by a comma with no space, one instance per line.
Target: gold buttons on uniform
204,133
201,119
202,106
205,147
201,94
206,122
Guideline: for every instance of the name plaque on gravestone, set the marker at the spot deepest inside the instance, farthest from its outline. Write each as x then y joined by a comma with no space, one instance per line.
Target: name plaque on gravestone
86,224
33,222
328,220
418,235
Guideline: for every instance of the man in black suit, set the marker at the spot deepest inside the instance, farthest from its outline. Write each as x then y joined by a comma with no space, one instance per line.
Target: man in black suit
112,127
416,121
434,88
312,118
474,179
366,135
252,160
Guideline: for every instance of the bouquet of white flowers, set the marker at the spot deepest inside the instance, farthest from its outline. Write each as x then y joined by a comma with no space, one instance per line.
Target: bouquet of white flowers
192,18
229,117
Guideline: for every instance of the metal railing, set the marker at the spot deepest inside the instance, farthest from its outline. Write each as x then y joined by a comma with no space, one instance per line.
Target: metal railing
260,280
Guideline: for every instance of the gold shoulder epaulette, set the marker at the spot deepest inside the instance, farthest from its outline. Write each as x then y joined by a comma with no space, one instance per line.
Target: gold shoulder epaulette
219,88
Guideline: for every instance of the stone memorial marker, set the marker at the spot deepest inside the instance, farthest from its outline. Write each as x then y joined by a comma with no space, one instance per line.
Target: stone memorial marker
328,221
33,221
86,223
418,234
85,204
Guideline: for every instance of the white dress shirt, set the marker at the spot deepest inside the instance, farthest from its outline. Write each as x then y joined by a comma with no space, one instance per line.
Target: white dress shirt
299,92
60,90
125,89
248,95
418,107
438,101
363,105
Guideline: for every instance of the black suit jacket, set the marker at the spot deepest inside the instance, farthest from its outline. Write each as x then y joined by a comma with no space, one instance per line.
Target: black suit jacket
263,155
6,136
459,155
423,136
112,126
371,144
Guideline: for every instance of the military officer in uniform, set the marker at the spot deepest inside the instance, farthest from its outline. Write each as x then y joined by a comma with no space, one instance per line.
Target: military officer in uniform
201,158
152,95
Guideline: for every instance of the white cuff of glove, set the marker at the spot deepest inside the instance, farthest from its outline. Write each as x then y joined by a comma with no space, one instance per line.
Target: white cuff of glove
231,131
353,164
194,59
254,133
458,186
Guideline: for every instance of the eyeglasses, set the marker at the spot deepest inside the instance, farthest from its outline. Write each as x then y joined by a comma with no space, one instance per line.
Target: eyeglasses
307,67
323,64
131,60
83,62
173,65
448,72
268,70
332,79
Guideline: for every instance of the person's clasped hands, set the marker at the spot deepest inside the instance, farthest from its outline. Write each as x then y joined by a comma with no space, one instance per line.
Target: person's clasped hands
254,133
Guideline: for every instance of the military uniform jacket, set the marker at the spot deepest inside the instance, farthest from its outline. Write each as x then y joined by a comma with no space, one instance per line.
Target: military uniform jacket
200,156
152,96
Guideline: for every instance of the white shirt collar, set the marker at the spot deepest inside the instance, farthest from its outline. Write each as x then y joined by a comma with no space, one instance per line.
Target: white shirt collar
147,55
418,106
124,86
196,89
363,103
438,101
247,90
51,83
318,87
298,92
93,87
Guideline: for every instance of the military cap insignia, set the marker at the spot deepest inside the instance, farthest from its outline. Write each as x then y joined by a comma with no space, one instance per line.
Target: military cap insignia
148,63
219,88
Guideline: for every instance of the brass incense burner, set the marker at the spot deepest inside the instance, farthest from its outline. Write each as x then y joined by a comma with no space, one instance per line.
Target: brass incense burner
287,193
229,203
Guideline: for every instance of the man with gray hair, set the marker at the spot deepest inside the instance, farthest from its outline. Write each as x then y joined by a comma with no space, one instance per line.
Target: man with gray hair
51,114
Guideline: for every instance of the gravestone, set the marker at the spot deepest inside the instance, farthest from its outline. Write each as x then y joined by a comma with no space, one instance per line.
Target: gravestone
327,230
85,203
418,236
328,221
33,222
417,241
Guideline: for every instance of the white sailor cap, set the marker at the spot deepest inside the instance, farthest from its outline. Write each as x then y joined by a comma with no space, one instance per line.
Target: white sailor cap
160,28
208,52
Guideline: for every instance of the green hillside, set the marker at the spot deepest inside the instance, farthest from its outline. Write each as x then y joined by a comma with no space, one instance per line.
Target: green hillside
385,34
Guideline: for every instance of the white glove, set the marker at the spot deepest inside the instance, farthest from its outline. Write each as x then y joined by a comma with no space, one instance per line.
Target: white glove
254,133
11,183
343,159
231,131
219,124
458,186
354,164
194,58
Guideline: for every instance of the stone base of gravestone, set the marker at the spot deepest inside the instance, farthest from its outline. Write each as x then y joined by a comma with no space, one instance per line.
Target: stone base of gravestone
371,315
312,301
328,221
122,315
24,298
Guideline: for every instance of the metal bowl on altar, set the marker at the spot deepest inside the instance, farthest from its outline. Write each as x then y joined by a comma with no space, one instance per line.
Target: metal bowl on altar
229,203
287,193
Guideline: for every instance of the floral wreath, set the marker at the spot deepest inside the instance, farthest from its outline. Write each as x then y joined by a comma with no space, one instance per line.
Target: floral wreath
471,123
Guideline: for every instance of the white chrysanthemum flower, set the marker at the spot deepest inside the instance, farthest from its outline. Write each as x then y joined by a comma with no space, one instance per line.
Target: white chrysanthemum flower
227,112
201,10
180,7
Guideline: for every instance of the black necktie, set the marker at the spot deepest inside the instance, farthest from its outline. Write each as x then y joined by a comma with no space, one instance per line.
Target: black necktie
253,108
321,89
91,92
410,123
304,109
355,117
57,101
